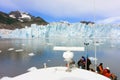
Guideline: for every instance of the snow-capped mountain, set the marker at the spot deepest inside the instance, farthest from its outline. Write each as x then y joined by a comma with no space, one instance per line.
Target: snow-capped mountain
17,19
21,16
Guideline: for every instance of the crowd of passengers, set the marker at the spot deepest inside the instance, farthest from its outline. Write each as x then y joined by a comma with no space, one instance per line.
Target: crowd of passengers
85,63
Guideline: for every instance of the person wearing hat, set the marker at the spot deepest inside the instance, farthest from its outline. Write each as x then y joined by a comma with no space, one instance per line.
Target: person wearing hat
100,68
106,72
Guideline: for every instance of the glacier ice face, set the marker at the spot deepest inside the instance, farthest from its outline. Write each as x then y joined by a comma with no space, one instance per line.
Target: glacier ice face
67,30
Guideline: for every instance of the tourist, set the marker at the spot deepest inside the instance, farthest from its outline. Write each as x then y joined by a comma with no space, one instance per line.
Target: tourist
81,62
100,68
107,73
88,63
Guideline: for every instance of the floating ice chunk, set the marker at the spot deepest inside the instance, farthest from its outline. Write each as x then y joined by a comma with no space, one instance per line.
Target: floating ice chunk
31,54
49,44
23,44
19,50
0,51
49,60
10,49
32,69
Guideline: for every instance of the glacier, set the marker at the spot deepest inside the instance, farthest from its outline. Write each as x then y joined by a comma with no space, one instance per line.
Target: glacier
65,30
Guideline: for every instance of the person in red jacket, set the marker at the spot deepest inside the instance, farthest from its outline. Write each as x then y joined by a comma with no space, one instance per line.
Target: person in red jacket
106,72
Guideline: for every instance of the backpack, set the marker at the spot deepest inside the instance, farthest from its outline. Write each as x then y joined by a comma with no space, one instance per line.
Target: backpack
98,69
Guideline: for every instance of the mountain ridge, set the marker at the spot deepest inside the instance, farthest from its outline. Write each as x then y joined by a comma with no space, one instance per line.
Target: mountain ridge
17,19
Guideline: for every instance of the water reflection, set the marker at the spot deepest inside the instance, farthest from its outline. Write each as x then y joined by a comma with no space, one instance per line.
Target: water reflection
13,63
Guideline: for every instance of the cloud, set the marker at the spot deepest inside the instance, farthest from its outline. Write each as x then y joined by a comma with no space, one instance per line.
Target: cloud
64,8
58,8
7,4
110,20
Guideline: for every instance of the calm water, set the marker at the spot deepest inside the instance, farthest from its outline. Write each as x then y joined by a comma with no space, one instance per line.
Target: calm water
15,63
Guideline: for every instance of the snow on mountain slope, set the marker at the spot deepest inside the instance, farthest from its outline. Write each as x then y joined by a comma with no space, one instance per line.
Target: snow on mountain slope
20,15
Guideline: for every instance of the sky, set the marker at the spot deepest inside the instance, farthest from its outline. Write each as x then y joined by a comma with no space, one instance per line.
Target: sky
101,11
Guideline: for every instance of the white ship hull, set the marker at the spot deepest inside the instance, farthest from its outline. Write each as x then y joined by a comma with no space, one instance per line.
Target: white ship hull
58,73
